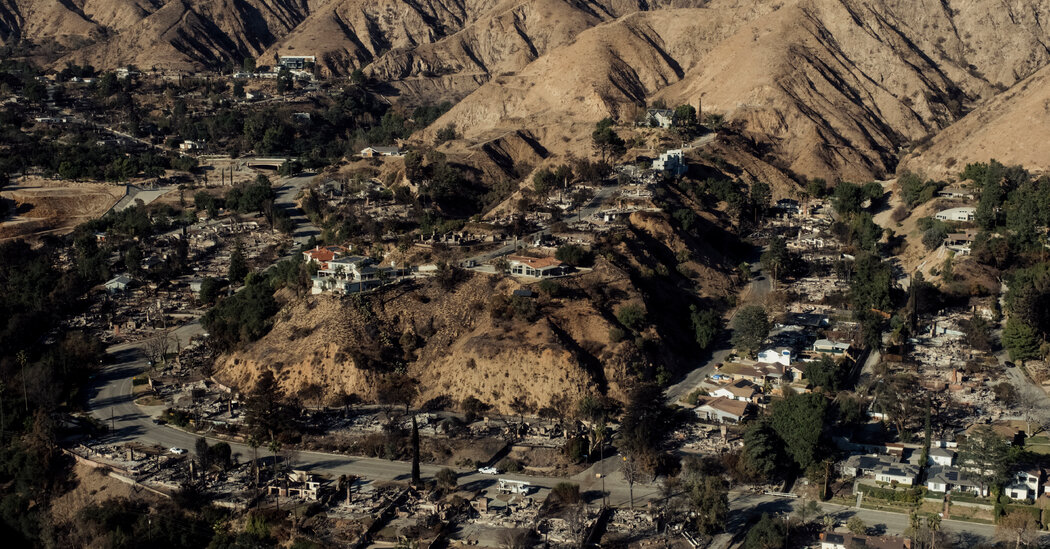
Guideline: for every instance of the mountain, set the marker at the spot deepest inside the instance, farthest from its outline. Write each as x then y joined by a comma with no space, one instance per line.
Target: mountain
832,88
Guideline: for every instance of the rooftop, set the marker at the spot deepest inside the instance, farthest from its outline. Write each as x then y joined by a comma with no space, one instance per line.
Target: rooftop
535,262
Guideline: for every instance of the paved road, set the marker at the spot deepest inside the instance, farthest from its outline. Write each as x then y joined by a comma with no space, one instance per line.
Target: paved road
110,400
286,195
756,291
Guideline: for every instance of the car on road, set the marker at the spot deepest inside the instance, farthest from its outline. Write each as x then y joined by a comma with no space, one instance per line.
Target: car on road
1009,364
177,451
488,471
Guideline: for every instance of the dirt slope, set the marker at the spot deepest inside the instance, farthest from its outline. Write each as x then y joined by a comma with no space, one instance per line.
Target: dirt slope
1013,128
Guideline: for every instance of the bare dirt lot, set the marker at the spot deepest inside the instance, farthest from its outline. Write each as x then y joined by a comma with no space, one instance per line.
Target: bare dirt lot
44,206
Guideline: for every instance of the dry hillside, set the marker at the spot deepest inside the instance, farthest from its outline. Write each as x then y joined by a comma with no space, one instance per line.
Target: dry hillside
468,341
834,88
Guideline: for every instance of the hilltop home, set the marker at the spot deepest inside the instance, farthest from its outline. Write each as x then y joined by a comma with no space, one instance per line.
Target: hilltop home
297,62
372,152
672,161
965,213
757,373
660,118
536,267
323,255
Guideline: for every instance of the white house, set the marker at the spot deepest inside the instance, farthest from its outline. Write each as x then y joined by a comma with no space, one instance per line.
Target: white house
901,473
965,213
738,390
779,355
118,284
672,161
296,61
941,478
372,152
826,346
662,118
1024,484
189,145
535,267
721,409
942,456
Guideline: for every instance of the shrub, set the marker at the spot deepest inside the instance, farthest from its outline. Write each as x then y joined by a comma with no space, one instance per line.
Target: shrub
565,492
631,316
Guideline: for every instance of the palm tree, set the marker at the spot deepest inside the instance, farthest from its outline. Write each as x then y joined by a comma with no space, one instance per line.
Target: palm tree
253,443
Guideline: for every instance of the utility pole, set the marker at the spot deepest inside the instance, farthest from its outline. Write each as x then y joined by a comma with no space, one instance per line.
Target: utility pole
22,360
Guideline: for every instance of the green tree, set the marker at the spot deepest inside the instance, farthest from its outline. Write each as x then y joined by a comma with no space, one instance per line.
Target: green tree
826,373
606,140
248,65
238,268
857,526
775,258
632,316
798,421
447,478
761,198
848,198
1021,339
985,456
574,254
708,496
416,480
750,328
767,533
706,325
762,449
685,116
872,280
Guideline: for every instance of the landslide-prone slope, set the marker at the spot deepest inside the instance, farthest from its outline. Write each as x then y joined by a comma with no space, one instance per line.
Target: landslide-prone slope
451,342
1013,128
837,87
454,347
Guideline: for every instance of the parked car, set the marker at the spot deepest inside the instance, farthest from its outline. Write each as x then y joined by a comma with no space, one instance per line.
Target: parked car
488,471
177,451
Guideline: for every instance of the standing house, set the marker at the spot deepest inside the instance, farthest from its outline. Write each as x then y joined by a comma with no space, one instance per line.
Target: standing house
779,355
536,267
118,284
741,390
942,456
965,213
672,161
833,348
721,409
901,473
1025,484
372,152
846,540
296,62
660,118
757,373
942,478
323,255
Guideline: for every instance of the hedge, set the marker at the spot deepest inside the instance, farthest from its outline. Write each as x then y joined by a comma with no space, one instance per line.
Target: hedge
912,495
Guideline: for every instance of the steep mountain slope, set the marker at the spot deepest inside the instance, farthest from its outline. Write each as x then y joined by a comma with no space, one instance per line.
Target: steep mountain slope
835,88
1013,128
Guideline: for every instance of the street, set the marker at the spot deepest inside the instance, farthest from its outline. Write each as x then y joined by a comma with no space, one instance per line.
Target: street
755,292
